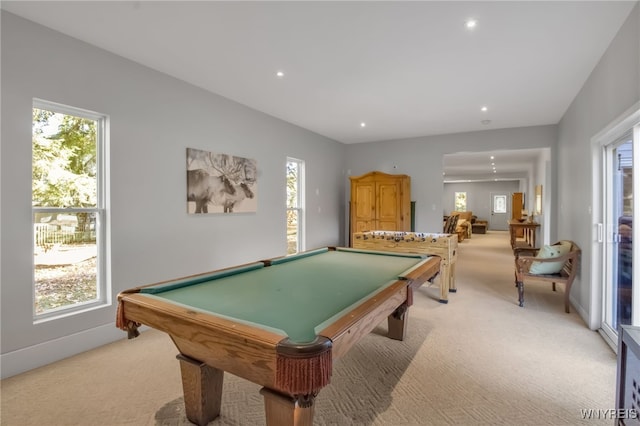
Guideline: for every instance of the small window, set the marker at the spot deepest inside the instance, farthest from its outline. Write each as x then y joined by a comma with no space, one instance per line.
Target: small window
461,201
68,204
499,204
295,205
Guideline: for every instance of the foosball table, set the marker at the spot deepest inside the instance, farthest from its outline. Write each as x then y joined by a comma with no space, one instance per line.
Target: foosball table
443,245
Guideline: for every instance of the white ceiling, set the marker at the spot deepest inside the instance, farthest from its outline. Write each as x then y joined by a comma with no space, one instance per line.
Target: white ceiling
478,166
406,69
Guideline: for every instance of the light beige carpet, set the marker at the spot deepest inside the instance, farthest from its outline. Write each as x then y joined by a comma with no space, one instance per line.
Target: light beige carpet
478,360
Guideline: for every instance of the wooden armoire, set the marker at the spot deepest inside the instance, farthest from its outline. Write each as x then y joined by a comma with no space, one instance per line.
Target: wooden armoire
517,205
380,202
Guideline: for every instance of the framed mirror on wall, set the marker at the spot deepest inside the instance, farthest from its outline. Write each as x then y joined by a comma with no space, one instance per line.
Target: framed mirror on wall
538,206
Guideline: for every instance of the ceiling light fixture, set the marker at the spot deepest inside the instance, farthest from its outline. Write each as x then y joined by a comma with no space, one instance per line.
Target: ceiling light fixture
363,124
280,74
484,109
471,23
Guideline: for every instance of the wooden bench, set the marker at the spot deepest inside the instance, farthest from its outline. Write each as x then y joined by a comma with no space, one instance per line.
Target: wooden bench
525,257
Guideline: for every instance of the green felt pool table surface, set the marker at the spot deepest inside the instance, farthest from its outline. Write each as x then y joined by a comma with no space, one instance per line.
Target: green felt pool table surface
297,295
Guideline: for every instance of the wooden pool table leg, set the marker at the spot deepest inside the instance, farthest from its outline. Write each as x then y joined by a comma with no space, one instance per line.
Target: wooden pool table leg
283,410
202,387
397,323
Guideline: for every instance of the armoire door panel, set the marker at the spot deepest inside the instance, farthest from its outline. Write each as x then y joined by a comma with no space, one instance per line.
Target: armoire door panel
387,226
365,202
388,202
364,226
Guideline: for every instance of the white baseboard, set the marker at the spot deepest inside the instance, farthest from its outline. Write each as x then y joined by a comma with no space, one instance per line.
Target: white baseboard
593,325
573,303
31,357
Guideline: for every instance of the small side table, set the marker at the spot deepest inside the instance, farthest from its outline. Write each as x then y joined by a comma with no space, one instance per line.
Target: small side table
479,227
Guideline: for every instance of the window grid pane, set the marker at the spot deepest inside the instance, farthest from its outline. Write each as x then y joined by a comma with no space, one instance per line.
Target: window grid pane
65,259
292,231
292,184
64,166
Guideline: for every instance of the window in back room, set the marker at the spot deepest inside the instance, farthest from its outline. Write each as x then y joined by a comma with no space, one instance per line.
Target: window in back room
68,209
295,205
461,201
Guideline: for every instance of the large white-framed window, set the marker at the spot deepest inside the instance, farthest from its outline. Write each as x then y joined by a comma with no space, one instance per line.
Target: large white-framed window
295,205
68,210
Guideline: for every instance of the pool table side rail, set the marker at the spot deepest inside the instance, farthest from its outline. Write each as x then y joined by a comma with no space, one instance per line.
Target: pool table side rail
283,259
360,321
290,257
381,252
207,276
240,349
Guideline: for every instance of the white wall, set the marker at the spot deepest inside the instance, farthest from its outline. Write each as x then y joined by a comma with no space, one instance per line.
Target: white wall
154,118
478,196
543,176
612,88
421,158
540,173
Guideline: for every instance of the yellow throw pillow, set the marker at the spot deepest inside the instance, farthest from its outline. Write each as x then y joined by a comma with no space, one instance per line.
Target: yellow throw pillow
547,252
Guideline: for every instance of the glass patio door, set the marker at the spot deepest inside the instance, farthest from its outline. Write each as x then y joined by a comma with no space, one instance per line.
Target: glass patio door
621,304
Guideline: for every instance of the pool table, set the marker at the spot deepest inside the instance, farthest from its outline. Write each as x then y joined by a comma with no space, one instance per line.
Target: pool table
279,323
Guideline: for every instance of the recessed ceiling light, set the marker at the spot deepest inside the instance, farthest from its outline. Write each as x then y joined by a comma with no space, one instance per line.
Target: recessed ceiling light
484,109
492,157
363,124
471,23
280,74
